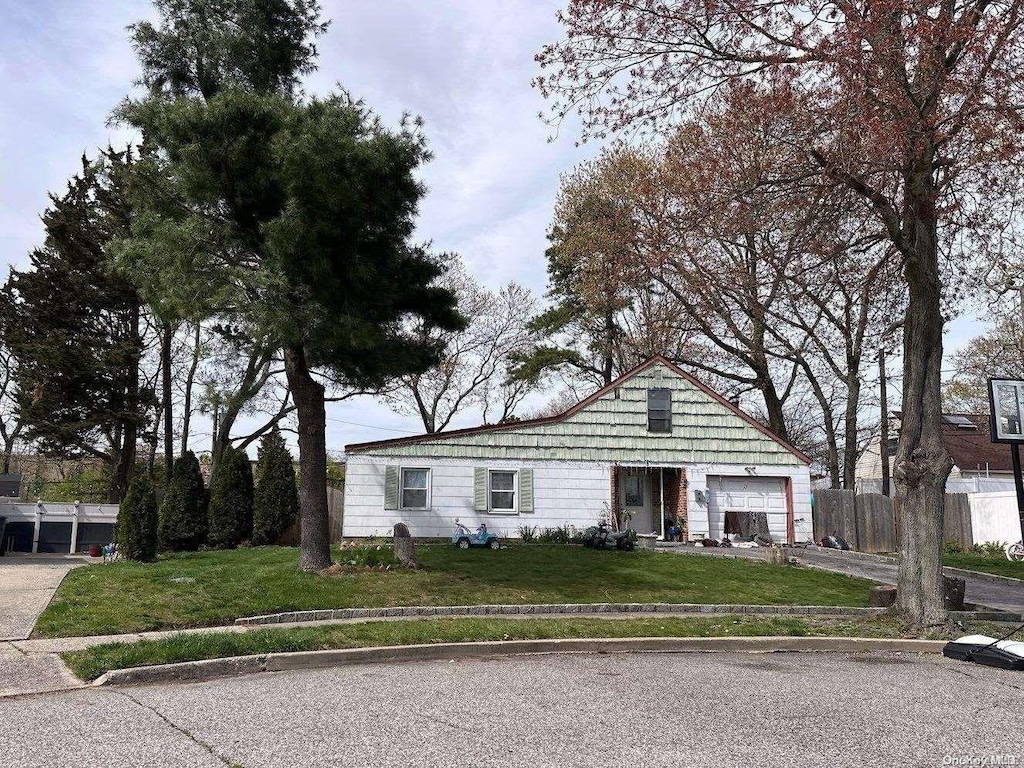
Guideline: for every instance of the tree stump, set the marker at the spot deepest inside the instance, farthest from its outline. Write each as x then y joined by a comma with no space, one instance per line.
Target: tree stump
953,593
882,597
776,556
405,548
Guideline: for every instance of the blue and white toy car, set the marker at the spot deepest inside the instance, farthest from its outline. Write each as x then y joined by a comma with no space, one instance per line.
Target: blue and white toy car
463,539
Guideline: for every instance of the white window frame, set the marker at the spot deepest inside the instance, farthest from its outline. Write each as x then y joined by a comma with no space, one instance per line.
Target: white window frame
401,487
515,492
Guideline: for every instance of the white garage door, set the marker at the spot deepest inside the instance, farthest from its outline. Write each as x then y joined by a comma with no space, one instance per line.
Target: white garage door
748,494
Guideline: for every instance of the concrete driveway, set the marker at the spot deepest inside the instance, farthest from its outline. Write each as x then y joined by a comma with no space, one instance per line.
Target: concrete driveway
27,583
1002,595
643,709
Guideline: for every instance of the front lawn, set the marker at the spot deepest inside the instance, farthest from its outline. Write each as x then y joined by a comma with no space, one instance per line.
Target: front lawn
210,588
90,663
999,566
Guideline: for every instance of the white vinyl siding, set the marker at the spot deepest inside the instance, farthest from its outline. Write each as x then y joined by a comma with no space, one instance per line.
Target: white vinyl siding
415,491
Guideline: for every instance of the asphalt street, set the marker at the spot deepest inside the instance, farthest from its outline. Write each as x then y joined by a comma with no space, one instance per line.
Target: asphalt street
776,709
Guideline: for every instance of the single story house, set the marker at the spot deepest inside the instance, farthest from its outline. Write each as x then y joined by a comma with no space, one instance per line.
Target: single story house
655,447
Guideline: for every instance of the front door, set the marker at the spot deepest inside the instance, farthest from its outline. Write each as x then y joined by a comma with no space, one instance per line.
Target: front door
635,498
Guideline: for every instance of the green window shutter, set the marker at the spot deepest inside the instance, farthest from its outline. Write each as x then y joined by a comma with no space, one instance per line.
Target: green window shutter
391,487
480,489
526,490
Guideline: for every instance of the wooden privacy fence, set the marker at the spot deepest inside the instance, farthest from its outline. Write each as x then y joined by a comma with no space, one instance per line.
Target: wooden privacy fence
867,520
335,512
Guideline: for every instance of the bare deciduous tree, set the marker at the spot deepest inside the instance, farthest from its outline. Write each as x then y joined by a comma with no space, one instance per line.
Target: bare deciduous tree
916,108
473,373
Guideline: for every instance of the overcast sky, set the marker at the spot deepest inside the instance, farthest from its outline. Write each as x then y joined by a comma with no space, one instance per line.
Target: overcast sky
463,65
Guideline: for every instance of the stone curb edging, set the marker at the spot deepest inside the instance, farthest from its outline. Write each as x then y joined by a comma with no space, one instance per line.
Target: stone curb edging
586,609
424,611
195,671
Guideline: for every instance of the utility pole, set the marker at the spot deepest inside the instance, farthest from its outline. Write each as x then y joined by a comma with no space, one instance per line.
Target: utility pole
884,448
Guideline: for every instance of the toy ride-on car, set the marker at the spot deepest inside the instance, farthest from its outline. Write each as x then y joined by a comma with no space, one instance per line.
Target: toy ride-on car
463,539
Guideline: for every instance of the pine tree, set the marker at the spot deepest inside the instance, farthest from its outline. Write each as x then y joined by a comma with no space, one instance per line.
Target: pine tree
182,516
231,499
136,531
277,499
315,204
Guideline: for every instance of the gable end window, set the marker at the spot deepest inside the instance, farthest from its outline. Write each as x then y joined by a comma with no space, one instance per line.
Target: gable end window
415,488
659,410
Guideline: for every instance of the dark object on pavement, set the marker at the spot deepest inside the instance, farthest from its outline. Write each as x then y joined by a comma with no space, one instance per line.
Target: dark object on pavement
843,544
463,539
830,542
709,542
3,525
405,547
882,596
725,542
601,536
763,540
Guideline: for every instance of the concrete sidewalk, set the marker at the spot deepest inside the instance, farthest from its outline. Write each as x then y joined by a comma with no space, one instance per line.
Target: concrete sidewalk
27,584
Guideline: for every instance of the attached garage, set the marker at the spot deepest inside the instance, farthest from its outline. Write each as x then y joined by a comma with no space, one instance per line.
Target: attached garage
749,496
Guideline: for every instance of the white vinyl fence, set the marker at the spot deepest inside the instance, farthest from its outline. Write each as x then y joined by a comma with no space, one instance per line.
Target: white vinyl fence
994,516
56,527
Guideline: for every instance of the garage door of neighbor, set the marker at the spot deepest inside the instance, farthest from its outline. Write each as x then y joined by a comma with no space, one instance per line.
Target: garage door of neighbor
748,494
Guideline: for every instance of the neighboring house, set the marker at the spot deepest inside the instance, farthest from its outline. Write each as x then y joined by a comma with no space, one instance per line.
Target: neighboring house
656,444
978,463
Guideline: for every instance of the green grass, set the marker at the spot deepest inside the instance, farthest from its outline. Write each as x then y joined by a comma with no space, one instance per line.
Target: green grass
999,566
91,663
210,588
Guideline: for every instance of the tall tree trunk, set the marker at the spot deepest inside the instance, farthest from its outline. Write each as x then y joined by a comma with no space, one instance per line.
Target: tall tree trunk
922,463
308,395
190,379
123,453
608,363
8,452
166,341
850,427
772,402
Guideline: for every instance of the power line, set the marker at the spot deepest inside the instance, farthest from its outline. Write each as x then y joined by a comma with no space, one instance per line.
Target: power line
372,426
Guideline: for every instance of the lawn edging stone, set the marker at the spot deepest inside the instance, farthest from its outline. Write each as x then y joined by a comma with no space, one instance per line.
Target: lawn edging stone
193,671
423,611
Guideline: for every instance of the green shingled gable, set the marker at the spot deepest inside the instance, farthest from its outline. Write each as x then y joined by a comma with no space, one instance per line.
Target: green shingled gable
613,428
